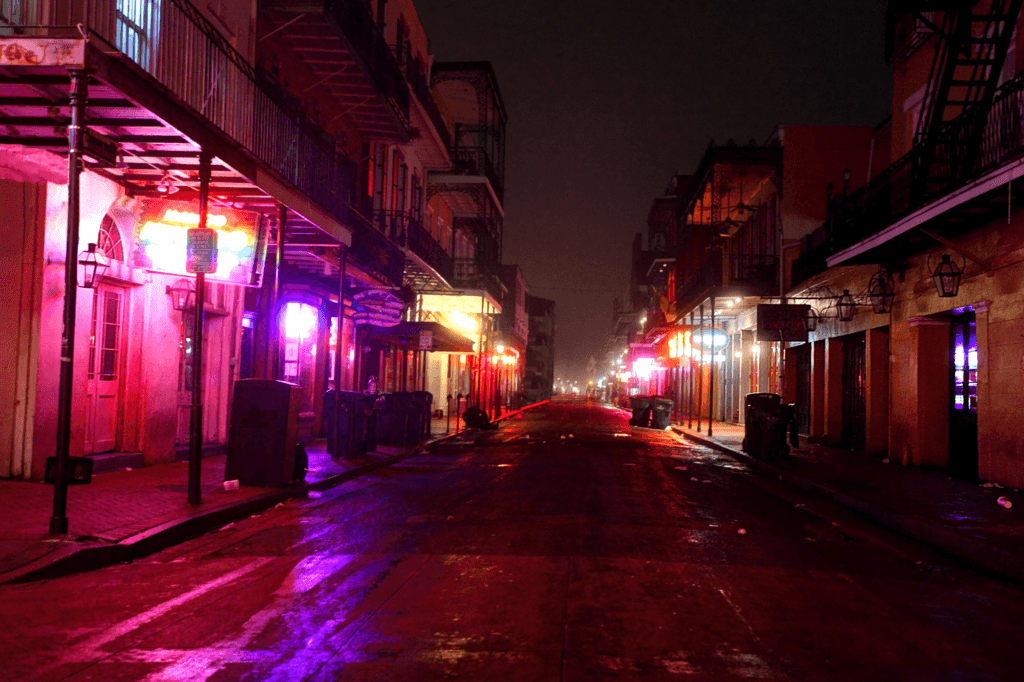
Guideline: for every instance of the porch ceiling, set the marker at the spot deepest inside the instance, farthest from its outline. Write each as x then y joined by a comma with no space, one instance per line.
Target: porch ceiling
35,113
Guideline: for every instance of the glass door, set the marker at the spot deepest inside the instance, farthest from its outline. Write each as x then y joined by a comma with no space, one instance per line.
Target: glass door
963,390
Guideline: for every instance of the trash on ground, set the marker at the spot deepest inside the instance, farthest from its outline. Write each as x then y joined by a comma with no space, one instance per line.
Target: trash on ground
885,461
1004,502
742,531
707,480
562,437
680,468
694,479
231,485
127,468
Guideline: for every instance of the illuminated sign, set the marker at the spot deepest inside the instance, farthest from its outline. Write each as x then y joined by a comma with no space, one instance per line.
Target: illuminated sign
377,307
710,337
161,241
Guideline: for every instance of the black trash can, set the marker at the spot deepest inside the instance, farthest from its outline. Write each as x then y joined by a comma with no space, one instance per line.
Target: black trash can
766,426
370,404
392,419
640,405
422,402
329,412
264,433
661,412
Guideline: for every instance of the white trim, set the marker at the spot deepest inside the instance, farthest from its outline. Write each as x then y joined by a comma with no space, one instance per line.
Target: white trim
919,217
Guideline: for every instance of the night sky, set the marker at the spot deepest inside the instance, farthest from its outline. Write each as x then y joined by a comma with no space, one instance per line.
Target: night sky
606,101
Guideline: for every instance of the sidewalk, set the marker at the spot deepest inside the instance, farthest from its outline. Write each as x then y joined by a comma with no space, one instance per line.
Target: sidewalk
123,515
963,519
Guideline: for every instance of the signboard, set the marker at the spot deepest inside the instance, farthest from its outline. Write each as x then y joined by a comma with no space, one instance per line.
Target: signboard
781,322
201,250
426,339
161,240
378,307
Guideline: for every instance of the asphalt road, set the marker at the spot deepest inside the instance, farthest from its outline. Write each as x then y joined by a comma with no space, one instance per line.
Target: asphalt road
565,546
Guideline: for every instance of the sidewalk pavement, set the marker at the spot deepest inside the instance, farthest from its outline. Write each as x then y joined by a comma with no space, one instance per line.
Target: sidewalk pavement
963,519
123,515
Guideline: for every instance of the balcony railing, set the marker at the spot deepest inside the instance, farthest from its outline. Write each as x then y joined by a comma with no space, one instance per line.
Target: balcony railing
932,169
471,273
197,65
756,274
355,19
475,161
408,232
415,74
374,252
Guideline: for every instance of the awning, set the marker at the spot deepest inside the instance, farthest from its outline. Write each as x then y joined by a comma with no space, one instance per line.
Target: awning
442,339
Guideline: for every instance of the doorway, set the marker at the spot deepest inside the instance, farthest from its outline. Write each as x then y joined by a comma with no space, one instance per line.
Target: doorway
963,390
803,387
854,403
103,375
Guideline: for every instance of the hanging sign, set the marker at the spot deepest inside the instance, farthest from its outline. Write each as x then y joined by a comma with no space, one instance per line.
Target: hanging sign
201,250
426,339
162,241
378,307
781,322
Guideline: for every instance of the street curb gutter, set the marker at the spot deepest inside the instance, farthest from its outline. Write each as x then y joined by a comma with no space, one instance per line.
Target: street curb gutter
969,549
69,560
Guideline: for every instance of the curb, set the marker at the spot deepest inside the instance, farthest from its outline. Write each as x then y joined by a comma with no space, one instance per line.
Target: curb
69,560
971,550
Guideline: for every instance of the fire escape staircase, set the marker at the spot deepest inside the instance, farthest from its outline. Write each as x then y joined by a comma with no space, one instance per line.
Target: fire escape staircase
964,76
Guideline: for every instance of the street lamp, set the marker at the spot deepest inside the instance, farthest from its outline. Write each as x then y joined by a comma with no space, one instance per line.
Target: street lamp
183,295
881,291
92,265
947,277
811,320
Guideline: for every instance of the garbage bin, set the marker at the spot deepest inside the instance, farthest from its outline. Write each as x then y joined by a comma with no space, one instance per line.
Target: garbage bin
392,419
263,433
329,411
766,426
661,412
423,401
640,404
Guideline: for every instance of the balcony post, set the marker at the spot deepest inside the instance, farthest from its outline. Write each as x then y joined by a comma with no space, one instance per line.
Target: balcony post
59,520
700,371
711,381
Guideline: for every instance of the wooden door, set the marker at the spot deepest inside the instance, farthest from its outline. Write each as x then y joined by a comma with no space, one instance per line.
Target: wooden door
854,403
103,375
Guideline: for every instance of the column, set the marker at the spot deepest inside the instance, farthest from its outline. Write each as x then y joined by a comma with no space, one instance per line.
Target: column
833,393
817,427
988,425
876,391
746,364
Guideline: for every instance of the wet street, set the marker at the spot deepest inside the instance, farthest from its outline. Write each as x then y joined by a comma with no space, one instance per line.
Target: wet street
567,545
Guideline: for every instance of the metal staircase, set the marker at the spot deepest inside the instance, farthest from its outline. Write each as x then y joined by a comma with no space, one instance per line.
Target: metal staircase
964,76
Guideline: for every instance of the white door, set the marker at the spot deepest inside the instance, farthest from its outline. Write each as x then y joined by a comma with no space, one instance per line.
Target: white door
103,378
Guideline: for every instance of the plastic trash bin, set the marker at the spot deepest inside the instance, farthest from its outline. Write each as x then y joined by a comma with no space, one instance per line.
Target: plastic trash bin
766,426
392,419
661,412
420,431
640,405
263,433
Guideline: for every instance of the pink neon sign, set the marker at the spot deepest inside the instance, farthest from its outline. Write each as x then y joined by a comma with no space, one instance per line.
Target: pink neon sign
160,240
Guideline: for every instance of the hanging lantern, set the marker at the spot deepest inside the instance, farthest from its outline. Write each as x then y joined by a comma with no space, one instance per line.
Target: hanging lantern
947,277
91,266
846,306
811,320
183,295
882,292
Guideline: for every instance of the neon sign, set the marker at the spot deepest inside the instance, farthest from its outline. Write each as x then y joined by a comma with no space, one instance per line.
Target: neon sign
161,239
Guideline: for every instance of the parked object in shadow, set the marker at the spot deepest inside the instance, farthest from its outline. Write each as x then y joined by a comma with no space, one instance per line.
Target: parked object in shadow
476,418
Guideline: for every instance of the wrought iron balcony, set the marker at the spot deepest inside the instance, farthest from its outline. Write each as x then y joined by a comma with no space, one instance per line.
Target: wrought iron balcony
408,232
376,253
729,275
932,169
475,161
472,273
195,67
415,74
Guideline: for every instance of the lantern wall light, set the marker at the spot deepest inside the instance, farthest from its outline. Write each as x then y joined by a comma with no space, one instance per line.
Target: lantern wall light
882,291
183,295
91,266
947,277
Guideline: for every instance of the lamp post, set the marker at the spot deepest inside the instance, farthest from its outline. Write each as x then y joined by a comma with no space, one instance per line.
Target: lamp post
59,519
